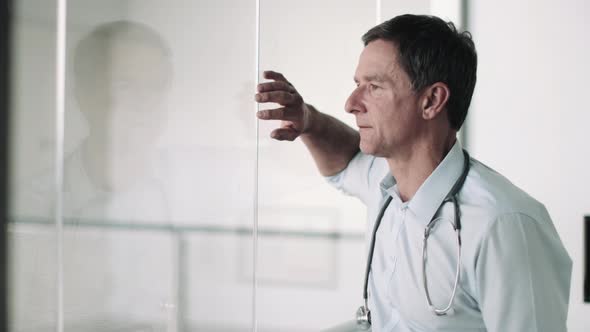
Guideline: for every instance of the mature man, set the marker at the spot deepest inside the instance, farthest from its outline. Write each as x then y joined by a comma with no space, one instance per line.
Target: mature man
415,79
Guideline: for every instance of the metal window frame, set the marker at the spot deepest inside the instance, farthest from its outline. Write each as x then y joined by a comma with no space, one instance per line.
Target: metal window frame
5,52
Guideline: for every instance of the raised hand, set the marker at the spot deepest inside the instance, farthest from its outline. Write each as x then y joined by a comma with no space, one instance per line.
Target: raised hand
293,113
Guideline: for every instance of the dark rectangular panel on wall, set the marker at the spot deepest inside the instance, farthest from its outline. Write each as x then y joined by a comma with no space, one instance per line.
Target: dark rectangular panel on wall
586,258
5,38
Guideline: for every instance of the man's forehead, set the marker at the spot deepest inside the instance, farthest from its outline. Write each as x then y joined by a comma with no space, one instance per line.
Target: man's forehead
378,61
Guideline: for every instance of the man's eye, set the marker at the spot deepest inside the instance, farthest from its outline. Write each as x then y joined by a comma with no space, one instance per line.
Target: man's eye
373,86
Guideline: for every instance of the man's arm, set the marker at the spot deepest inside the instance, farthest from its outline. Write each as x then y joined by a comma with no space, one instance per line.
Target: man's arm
523,276
331,143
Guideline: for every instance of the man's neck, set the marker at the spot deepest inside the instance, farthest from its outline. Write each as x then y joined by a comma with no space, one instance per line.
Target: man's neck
412,168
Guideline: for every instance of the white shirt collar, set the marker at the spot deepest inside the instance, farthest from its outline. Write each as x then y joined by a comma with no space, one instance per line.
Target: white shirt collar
433,191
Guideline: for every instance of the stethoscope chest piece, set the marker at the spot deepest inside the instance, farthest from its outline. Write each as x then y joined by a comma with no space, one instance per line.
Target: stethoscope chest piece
363,318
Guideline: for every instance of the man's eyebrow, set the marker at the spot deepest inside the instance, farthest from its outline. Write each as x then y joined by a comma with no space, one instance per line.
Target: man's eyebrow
375,77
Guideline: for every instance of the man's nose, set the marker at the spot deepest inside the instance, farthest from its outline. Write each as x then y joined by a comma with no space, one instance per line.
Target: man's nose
353,103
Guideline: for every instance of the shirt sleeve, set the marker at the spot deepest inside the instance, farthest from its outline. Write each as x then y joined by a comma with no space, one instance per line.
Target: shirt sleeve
354,180
523,276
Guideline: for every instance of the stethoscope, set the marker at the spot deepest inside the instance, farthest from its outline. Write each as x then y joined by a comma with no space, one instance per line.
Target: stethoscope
363,314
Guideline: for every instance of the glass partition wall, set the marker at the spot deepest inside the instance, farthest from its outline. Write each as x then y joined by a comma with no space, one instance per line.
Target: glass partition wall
150,198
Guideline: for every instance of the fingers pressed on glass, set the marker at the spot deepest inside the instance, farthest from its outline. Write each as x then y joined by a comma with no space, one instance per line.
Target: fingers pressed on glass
273,75
281,113
279,97
274,86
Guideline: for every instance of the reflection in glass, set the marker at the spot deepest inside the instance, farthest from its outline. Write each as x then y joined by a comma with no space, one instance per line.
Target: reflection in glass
118,279
122,72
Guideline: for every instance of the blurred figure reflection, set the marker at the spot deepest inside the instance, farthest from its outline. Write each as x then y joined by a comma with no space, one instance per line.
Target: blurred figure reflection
114,279
122,76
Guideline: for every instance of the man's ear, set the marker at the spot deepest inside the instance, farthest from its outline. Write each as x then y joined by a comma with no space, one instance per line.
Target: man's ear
434,100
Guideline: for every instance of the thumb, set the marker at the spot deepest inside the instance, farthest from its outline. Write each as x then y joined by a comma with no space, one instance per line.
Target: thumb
285,134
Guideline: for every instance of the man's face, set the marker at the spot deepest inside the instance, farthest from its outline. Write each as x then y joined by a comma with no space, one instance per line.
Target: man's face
385,106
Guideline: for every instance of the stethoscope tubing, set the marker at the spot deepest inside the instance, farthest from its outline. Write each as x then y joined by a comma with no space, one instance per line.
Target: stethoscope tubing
443,311
365,317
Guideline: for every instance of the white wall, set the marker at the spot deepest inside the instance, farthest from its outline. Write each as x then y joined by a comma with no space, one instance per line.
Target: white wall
529,118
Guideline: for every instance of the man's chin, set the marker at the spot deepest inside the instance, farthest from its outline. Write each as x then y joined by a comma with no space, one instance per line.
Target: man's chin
367,149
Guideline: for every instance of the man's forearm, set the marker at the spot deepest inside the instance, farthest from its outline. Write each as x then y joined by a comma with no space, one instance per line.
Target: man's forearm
330,141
